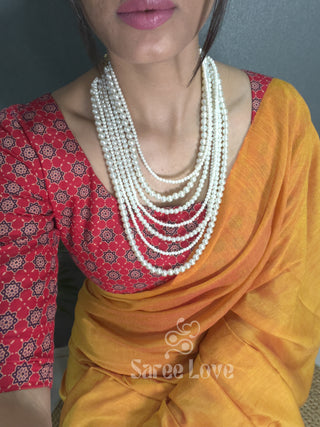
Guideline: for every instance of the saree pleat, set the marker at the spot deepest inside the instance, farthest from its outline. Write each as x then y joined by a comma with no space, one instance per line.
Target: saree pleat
249,308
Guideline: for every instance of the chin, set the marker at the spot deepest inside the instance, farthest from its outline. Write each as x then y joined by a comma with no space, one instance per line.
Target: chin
153,51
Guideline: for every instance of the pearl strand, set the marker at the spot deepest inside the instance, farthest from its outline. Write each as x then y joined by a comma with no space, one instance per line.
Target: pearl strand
155,206
170,199
129,123
110,145
128,199
126,124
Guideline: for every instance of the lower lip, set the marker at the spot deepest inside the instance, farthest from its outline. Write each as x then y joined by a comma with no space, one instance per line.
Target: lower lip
146,20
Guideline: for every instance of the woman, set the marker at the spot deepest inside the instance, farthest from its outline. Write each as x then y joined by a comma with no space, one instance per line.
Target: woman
169,330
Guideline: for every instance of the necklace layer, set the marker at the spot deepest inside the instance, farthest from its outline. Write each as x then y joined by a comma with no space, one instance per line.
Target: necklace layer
122,151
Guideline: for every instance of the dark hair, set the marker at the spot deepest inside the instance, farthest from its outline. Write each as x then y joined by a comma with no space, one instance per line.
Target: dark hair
91,47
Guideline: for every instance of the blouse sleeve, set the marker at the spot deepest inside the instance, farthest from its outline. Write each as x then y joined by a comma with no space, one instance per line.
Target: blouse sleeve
261,355
28,262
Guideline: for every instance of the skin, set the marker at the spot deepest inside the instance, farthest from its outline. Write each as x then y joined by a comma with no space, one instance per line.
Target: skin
153,68
27,408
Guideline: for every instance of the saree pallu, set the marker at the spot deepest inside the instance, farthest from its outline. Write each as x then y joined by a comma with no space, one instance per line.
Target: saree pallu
231,342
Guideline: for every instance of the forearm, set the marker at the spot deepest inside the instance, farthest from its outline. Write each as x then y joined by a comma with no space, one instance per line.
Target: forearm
28,408
16,416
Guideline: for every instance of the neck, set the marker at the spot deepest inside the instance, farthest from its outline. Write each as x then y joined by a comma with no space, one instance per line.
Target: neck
158,95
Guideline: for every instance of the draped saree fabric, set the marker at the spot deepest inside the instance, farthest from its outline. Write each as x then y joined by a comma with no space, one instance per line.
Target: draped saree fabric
231,342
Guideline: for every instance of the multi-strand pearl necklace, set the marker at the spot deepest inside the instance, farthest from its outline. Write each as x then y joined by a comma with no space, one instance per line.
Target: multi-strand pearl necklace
121,149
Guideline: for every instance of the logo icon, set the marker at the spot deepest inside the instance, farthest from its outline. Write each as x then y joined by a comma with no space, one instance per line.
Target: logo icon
180,340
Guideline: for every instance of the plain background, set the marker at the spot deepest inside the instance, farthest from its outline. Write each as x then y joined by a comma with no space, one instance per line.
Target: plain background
41,49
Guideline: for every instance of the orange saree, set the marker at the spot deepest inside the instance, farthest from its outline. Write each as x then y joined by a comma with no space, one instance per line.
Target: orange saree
231,342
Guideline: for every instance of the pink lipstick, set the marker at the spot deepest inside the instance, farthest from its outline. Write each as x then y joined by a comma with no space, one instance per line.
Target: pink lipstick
146,14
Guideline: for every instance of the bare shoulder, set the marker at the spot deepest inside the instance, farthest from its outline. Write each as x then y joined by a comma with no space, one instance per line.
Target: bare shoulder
235,84
74,98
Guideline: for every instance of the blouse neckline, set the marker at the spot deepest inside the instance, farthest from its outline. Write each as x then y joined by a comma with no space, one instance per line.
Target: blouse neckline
229,177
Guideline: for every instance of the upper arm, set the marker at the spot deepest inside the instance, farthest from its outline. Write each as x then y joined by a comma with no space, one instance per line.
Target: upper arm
28,263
